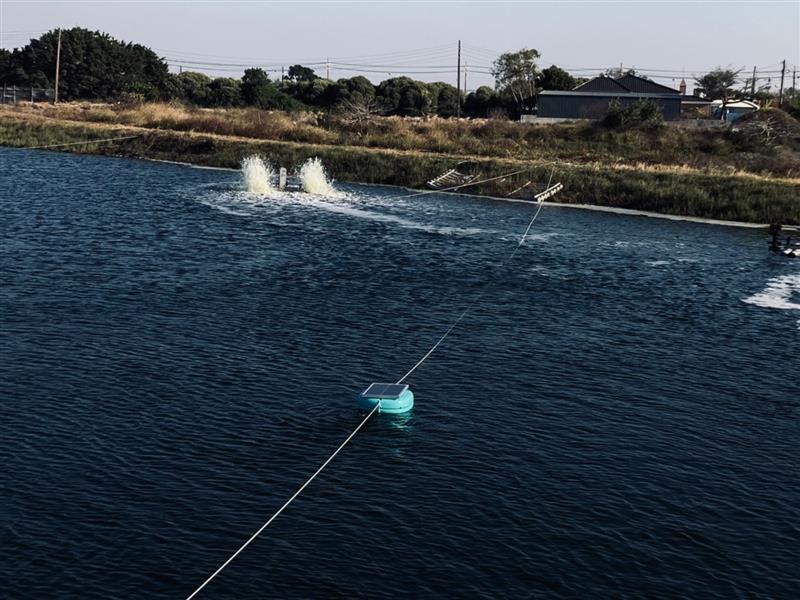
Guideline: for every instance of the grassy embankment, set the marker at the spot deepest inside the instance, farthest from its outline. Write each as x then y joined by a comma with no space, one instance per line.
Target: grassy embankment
713,174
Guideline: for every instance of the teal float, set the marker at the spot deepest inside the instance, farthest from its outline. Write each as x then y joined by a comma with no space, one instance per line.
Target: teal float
394,398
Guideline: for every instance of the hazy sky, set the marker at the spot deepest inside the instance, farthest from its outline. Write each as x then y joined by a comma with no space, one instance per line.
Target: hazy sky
376,39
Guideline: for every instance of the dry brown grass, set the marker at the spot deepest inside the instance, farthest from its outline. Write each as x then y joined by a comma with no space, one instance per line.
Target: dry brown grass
675,189
243,122
677,149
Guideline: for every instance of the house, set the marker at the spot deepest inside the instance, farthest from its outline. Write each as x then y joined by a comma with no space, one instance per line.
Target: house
591,99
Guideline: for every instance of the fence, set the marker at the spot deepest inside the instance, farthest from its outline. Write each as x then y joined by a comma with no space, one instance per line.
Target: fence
15,94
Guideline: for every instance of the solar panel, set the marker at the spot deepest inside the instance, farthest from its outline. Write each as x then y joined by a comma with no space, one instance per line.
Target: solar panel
385,390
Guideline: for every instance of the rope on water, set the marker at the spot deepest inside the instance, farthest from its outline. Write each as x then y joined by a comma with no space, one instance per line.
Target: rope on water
116,139
376,408
476,299
287,503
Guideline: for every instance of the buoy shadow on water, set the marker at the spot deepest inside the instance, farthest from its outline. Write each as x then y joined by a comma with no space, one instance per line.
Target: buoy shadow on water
394,398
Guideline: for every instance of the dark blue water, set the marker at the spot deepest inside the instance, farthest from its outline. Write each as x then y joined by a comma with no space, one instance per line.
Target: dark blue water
176,357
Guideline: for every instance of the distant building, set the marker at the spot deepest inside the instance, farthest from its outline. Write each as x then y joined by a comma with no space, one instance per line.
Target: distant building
693,107
591,99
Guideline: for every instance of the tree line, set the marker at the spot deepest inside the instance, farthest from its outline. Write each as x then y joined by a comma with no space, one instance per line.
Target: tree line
95,66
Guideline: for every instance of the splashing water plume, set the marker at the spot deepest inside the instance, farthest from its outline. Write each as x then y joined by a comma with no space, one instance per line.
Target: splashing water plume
314,179
257,175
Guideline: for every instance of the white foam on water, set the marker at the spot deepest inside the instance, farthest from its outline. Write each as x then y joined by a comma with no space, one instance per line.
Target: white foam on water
778,294
257,175
345,209
248,204
541,237
239,203
657,263
318,192
224,208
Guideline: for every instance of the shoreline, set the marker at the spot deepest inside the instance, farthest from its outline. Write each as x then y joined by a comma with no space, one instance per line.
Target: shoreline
689,196
581,206
584,206
574,205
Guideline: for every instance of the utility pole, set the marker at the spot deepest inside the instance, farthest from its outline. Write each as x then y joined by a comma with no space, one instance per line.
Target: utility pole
783,72
466,70
58,67
753,85
794,82
328,68
458,83
281,72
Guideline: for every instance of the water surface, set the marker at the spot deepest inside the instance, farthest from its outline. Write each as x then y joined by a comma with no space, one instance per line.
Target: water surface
618,417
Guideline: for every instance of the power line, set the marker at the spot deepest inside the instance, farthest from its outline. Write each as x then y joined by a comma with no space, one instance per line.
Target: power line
416,61
387,56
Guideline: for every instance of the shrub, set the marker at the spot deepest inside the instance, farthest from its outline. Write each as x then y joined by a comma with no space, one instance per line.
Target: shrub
642,114
792,107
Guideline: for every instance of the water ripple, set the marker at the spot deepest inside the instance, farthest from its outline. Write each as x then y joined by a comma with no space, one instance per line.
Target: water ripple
176,357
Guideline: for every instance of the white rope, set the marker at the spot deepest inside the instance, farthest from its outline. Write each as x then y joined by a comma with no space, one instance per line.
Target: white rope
287,503
474,301
128,137
375,409
480,295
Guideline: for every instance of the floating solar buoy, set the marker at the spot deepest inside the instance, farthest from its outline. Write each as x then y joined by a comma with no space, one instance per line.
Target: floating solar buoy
394,398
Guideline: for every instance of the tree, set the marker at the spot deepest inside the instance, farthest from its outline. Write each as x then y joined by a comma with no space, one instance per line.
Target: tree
93,65
357,90
447,100
193,87
580,81
224,92
443,99
556,78
312,93
5,64
718,85
617,72
515,74
480,102
258,90
301,73
403,96
256,87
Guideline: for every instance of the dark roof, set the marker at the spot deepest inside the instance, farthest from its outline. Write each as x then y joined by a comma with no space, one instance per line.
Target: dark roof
602,84
617,94
689,99
627,84
639,84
